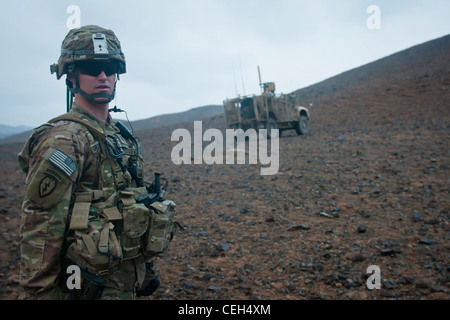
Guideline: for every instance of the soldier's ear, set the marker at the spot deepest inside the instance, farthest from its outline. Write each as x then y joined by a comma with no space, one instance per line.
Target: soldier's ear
69,79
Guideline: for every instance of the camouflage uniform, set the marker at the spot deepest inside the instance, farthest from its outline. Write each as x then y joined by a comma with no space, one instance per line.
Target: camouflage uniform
85,200
60,160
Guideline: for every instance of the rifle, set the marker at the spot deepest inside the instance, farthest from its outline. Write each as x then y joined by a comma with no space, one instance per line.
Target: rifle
155,192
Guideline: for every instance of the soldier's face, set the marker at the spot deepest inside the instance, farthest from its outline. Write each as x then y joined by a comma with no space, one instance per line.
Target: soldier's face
96,84
96,77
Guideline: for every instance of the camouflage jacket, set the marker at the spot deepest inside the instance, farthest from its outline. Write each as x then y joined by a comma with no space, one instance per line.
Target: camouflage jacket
59,159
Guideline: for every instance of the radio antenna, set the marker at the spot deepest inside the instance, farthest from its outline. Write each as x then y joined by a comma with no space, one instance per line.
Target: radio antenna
242,77
234,77
259,75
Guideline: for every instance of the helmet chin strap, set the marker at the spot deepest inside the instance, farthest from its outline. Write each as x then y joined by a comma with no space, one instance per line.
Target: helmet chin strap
90,97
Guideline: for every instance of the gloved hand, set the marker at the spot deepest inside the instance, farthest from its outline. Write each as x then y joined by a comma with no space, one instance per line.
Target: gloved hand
151,281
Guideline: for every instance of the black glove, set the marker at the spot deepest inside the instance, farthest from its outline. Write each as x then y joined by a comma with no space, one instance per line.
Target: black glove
151,281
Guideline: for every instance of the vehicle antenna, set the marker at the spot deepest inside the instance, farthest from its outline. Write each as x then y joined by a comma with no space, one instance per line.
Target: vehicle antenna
242,77
234,77
260,84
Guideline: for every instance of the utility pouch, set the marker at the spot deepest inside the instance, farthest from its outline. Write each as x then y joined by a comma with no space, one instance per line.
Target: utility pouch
93,243
135,224
161,229
96,249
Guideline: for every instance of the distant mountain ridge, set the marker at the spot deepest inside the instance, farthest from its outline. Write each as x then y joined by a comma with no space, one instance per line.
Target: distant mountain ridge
6,130
193,114
174,118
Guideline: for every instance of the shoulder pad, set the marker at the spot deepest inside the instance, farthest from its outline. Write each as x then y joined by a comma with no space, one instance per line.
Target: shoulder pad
42,128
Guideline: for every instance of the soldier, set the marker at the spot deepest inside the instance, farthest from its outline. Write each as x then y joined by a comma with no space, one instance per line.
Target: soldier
83,175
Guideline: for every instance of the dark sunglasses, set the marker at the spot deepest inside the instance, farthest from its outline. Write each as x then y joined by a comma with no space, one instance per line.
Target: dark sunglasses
95,68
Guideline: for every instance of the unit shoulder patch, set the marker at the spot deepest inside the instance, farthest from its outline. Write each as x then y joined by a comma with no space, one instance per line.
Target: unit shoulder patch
47,185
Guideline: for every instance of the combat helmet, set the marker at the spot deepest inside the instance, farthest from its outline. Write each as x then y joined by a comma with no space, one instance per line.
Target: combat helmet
88,43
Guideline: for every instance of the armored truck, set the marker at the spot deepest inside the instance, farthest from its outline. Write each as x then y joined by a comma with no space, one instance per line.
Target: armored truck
266,111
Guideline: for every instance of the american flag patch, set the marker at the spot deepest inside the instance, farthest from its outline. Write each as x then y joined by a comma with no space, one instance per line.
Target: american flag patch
63,161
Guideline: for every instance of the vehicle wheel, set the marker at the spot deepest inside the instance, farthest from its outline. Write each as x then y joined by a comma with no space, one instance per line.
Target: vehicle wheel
271,124
302,126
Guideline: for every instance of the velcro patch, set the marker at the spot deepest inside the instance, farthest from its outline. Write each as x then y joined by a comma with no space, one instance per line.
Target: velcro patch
63,162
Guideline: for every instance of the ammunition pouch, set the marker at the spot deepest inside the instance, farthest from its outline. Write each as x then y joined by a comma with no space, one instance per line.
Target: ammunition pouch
161,229
92,242
102,234
136,219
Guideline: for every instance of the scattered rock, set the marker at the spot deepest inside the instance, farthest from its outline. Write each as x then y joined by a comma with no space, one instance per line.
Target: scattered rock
223,246
427,241
422,285
243,210
358,258
389,251
317,266
214,288
190,285
298,227
388,294
328,215
361,228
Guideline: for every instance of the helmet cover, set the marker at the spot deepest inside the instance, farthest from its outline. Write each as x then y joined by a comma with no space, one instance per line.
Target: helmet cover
88,43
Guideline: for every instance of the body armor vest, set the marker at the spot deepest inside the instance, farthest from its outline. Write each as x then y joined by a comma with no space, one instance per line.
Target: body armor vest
107,224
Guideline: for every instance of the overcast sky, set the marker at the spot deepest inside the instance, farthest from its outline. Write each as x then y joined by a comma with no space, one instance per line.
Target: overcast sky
183,54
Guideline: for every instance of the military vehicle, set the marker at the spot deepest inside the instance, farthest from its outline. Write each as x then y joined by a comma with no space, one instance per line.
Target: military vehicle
266,111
